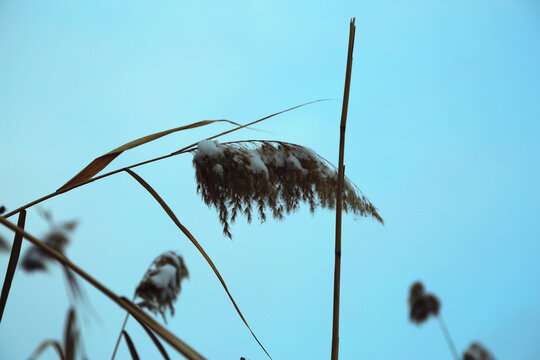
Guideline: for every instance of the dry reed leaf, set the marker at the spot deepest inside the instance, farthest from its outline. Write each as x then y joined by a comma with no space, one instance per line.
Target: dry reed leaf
156,342
477,351
71,346
131,346
101,162
44,345
194,241
269,176
12,265
161,285
124,303
421,304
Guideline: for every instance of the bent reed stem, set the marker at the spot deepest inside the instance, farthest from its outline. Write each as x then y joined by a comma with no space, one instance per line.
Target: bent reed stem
178,152
194,241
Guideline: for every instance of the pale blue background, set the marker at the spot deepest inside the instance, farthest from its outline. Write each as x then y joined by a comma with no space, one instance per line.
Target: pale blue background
443,137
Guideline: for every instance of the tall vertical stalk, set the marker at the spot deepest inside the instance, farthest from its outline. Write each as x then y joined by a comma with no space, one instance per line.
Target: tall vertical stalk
341,175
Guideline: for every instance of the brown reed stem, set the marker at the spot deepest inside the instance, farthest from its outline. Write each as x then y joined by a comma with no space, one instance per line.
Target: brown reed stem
341,175
178,152
124,303
448,338
12,265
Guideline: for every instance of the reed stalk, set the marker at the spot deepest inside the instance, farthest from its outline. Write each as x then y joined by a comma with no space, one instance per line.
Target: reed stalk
12,265
448,338
120,336
341,175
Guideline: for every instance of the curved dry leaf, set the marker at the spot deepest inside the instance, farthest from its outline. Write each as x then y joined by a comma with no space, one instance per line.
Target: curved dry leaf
194,241
12,265
101,162
44,345
131,346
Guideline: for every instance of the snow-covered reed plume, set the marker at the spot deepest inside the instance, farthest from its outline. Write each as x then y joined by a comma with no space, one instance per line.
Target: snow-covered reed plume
421,304
161,284
272,177
477,351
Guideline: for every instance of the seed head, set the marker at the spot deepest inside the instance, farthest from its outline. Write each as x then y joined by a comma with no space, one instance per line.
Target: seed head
477,351
270,177
58,238
161,284
422,305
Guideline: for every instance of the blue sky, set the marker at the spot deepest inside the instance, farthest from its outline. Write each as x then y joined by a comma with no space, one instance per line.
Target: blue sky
442,136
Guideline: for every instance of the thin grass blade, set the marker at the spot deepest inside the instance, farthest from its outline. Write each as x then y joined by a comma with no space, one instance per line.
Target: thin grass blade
101,162
44,345
124,303
197,245
131,346
184,149
12,265
156,342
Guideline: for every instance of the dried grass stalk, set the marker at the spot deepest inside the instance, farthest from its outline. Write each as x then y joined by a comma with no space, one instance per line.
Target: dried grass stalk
161,284
422,305
269,176
477,351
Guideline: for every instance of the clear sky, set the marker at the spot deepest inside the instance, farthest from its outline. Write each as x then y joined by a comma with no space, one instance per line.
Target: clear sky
443,137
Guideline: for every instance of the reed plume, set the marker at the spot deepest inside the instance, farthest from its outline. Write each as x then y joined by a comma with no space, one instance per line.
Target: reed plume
477,351
36,259
422,305
161,285
269,176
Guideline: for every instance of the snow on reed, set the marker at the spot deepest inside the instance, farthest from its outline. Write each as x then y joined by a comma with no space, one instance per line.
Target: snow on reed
161,284
477,351
272,177
421,304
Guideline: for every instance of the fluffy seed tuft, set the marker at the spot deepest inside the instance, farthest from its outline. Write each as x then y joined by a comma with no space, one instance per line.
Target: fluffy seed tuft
421,304
269,176
161,284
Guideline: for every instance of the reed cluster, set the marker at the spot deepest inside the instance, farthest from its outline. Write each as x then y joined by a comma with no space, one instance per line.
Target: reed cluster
423,305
